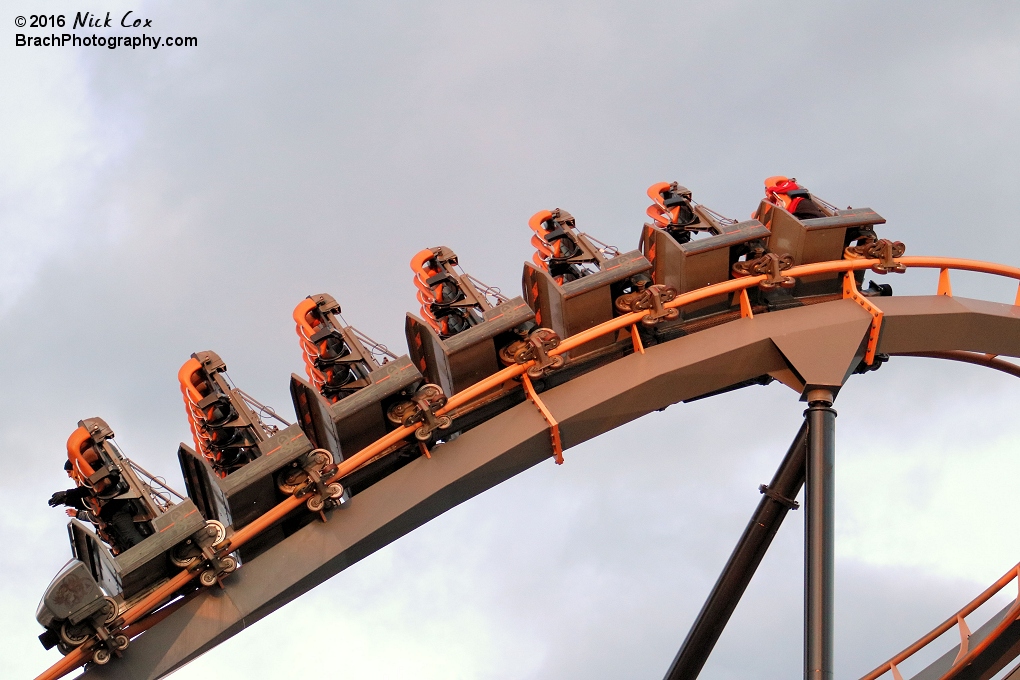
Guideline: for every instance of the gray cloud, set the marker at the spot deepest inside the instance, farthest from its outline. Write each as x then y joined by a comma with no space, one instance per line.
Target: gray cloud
194,196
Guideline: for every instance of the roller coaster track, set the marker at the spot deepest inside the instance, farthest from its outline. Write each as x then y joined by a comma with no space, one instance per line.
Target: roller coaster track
807,347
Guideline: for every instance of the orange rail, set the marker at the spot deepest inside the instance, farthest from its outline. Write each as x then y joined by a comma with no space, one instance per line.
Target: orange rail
151,620
158,597
957,619
78,656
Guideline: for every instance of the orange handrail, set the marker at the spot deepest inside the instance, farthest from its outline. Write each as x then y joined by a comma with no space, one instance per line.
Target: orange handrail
463,397
192,396
658,211
281,510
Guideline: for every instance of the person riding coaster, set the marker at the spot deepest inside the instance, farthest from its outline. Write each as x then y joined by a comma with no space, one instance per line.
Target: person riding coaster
111,567
795,199
107,493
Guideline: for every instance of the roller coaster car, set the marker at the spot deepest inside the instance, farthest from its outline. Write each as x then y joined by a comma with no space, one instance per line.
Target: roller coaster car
685,264
350,414
819,239
359,419
91,590
461,334
573,281
241,466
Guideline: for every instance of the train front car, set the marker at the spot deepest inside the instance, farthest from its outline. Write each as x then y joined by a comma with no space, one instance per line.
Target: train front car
73,608
128,534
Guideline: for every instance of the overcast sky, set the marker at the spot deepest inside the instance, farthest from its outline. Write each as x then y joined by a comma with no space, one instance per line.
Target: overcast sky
154,203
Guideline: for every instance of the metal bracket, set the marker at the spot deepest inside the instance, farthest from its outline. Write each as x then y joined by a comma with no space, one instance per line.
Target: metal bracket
782,500
635,339
554,427
850,291
745,305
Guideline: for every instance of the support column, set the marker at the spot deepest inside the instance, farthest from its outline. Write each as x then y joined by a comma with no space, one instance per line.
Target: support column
819,527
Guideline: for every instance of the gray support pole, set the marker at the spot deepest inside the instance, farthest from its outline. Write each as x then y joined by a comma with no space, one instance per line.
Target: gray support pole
776,502
819,525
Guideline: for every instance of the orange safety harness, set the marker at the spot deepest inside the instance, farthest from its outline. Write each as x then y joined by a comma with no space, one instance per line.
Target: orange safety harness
309,321
785,192
552,241
194,388
78,446
661,215
425,265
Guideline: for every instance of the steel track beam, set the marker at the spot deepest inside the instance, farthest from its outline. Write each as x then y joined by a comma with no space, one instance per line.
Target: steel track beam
515,440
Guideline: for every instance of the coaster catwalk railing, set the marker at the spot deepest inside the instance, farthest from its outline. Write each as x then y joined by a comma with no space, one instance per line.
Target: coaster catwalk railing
152,608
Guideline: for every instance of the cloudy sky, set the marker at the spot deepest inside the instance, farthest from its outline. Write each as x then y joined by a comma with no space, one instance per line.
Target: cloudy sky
154,203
